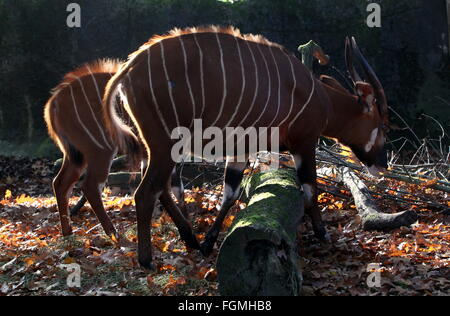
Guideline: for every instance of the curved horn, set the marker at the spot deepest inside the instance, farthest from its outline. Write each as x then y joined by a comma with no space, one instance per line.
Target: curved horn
349,61
373,79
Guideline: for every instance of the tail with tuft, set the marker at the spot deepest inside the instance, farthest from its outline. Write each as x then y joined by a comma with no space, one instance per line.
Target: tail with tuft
121,134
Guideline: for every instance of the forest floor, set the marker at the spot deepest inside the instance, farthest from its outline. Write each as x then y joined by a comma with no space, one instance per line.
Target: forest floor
412,261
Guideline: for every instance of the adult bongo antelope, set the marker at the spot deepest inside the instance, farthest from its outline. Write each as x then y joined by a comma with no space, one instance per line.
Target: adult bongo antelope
75,122
229,79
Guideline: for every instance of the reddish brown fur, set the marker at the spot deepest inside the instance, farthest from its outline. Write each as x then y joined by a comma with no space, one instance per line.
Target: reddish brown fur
300,105
75,122
102,66
230,30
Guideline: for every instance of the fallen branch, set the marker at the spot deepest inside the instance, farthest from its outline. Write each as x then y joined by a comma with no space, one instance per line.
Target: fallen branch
332,158
413,180
371,218
428,165
334,188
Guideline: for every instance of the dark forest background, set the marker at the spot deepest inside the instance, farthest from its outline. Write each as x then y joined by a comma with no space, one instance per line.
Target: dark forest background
409,53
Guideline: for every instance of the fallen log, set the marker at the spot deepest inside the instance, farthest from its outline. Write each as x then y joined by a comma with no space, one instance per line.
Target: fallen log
258,257
124,180
118,164
371,217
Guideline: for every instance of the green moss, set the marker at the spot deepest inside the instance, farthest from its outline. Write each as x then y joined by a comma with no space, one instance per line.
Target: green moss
273,194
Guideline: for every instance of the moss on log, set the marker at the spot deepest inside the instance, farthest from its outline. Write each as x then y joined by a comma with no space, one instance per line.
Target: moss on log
258,257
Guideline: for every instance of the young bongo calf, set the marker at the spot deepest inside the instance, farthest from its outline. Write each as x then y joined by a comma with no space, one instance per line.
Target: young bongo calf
74,121
74,118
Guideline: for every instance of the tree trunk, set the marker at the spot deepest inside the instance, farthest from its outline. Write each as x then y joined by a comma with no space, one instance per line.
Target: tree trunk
258,257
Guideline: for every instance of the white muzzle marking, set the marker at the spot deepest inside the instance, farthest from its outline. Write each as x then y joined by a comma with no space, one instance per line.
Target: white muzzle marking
372,140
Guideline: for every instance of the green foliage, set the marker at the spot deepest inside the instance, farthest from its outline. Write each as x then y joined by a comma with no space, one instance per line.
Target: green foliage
47,149
43,149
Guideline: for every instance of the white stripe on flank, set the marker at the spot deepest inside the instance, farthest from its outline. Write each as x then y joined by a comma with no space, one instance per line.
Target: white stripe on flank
101,102
155,101
201,75
93,113
279,88
307,101
222,64
243,84
293,89
257,84
256,91
186,73
81,123
269,89
169,85
95,83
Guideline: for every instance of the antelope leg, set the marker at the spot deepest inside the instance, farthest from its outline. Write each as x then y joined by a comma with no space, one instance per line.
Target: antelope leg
234,172
76,209
62,187
153,184
305,163
184,228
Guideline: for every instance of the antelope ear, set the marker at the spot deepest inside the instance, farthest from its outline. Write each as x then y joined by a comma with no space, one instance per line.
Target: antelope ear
330,81
367,94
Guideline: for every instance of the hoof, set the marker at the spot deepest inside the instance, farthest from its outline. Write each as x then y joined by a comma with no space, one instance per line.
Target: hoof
321,234
325,238
74,211
206,248
191,241
146,264
67,233
125,243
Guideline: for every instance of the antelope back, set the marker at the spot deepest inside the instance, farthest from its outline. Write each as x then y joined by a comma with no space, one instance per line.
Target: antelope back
74,113
218,76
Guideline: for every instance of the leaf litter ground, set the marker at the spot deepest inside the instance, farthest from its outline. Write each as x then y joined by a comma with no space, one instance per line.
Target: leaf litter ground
412,261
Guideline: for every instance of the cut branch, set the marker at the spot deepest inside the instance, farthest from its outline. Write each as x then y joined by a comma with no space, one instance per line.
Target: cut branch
372,219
